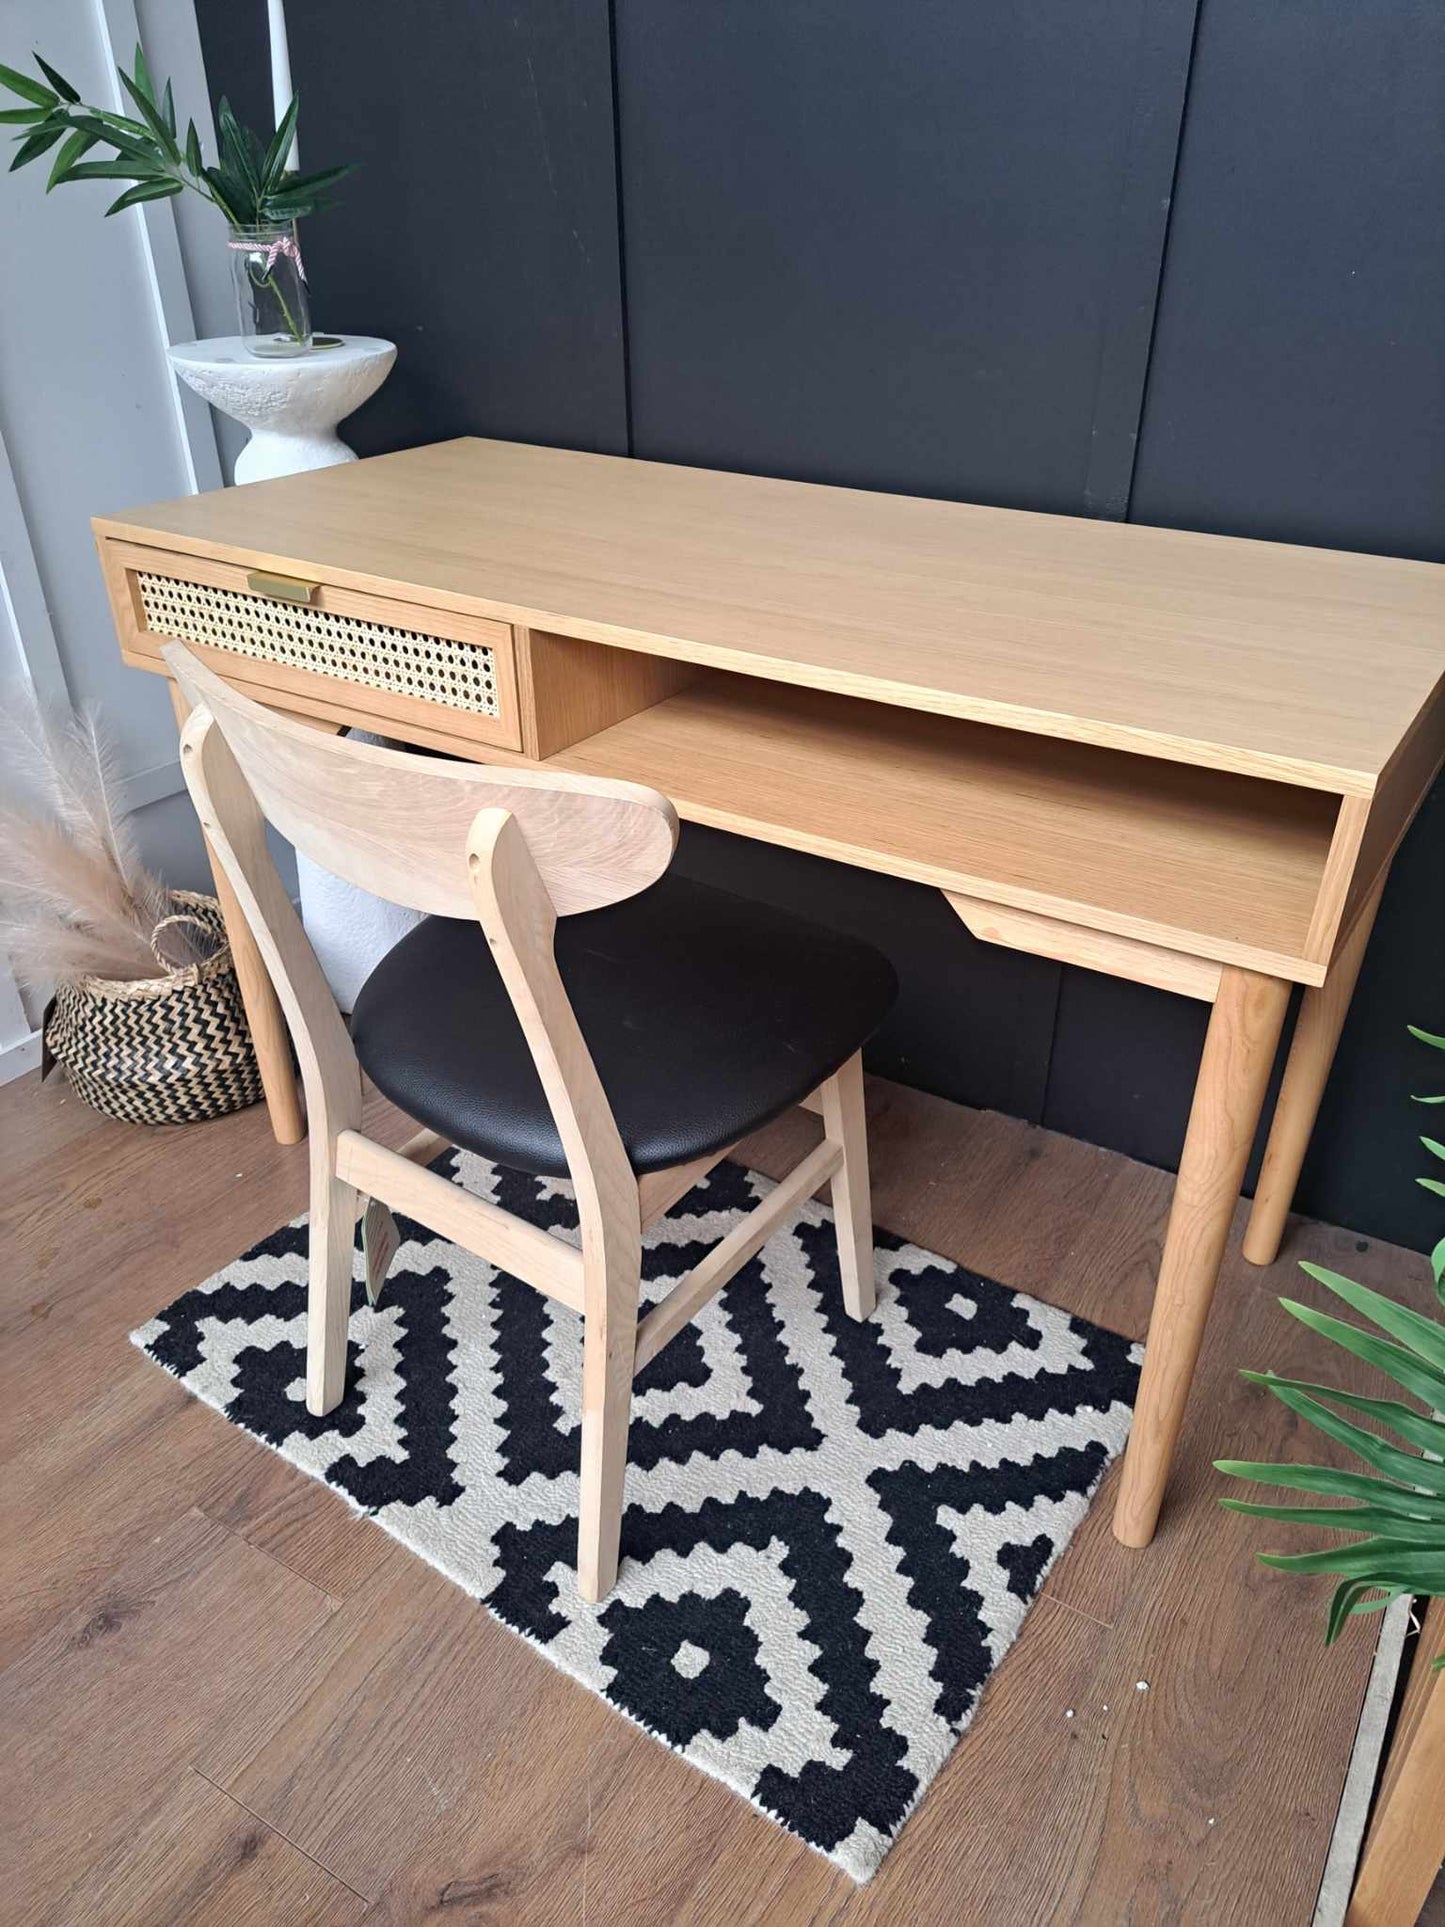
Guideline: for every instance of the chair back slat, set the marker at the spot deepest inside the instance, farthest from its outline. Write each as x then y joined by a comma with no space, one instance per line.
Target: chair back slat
396,824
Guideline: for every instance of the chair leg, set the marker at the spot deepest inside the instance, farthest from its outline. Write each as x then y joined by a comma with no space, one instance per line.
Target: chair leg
609,1348
328,1302
845,1125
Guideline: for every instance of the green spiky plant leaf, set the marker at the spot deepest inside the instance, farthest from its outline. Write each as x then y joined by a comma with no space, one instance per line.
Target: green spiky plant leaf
1397,1510
249,183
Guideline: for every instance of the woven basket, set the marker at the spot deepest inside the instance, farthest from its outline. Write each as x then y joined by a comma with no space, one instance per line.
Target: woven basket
172,1049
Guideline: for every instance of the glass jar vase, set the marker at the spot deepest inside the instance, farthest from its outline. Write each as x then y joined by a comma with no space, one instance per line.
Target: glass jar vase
271,297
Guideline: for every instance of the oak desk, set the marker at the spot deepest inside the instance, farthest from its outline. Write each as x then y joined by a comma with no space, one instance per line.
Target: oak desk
1181,759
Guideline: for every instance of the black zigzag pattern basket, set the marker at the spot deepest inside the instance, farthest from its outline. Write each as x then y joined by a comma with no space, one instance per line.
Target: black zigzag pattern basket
173,1049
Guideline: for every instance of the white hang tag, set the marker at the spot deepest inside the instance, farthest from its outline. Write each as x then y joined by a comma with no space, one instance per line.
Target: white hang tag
379,1241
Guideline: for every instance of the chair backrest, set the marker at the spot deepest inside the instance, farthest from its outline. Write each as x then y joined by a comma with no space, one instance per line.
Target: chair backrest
512,848
396,823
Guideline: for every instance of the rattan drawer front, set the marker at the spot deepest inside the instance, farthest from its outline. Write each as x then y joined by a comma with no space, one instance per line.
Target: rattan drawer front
440,677
434,669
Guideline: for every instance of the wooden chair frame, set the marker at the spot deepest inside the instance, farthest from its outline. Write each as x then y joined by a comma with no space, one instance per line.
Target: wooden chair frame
516,849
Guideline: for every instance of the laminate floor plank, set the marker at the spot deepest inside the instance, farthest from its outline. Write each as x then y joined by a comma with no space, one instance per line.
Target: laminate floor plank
410,1727
187,1612
145,1452
99,1711
198,1859
293,1518
136,1451
110,1235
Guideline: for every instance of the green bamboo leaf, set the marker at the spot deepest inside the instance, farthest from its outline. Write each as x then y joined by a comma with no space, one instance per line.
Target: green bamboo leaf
36,144
138,147
1423,1335
1363,1598
313,183
235,149
193,148
281,208
1383,1562
168,110
227,177
1405,1466
1349,1597
1435,1149
145,191
1435,1098
70,152
1347,1518
1426,1037
1332,1482
142,74
1427,1434
27,88
57,81
1437,1262
274,165
120,170
223,192
1405,1367
1432,1184
284,208
107,124
1381,1599
23,116
150,114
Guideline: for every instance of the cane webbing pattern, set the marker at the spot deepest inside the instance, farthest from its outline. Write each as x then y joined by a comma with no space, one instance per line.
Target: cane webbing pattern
435,669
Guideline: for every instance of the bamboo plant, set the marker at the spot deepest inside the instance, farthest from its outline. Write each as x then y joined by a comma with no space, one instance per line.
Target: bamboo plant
1395,1509
249,182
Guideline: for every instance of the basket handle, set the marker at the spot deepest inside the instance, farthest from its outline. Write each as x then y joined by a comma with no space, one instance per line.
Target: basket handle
183,916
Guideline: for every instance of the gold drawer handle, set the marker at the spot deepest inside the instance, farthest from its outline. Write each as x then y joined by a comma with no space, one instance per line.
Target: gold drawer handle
281,588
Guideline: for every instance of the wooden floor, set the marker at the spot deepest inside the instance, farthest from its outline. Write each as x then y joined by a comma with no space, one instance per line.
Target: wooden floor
225,1700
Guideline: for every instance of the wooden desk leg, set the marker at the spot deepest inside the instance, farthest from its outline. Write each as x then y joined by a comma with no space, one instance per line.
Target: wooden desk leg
1233,1075
1321,1019
263,1013
1406,1842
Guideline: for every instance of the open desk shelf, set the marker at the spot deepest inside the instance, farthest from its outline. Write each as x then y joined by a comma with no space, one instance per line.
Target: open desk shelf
1115,841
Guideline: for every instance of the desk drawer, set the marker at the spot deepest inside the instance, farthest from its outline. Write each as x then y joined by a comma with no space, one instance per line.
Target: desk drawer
349,655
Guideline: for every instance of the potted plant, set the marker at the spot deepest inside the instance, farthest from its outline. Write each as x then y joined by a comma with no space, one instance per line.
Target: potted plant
1396,1508
251,183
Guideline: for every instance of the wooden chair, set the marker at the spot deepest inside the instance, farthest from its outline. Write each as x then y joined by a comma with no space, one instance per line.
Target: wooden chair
701,1017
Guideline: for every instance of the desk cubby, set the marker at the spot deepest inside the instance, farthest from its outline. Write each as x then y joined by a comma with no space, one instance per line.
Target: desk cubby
1225,866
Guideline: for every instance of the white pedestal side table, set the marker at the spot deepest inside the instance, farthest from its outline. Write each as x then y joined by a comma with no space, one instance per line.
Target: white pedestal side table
290,404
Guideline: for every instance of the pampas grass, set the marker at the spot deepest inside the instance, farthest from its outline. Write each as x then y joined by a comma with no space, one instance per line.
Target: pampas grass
75,898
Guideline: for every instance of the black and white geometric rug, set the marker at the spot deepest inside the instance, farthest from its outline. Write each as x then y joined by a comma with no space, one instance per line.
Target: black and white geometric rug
833,1530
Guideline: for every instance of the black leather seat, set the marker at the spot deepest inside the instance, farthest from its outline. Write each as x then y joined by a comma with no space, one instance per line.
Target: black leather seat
706,1015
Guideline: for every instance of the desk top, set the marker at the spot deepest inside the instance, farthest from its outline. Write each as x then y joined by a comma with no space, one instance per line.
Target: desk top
1305,665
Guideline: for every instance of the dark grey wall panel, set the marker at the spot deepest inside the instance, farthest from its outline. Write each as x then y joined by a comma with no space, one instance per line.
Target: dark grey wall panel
1297,389
480,232
1366,1149
1124,1065
1297,393
907,247
968,1018
903,247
